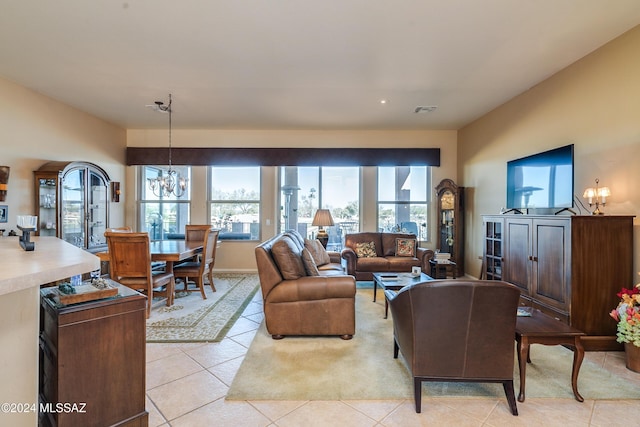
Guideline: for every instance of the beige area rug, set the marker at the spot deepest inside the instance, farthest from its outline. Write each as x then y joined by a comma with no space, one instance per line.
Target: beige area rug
192,319
328,368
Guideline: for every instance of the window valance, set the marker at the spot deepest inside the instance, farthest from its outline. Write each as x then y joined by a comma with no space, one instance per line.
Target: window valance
284,156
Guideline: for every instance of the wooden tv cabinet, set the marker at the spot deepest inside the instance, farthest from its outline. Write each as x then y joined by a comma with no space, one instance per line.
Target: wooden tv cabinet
92,355
569,267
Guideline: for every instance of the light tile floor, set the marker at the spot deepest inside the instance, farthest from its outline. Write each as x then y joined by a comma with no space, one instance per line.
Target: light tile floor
187,384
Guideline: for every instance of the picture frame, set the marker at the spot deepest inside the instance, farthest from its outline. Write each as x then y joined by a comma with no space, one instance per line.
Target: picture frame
4,213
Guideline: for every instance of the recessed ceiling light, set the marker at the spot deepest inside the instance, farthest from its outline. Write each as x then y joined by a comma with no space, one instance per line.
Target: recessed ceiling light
384,101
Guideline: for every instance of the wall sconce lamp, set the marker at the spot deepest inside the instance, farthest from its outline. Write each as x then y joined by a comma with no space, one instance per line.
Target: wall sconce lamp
597,196
322,218
4,181
115,191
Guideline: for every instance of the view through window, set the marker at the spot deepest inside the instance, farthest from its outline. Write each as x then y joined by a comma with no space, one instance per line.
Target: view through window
403,199
235,202
164,217
304,190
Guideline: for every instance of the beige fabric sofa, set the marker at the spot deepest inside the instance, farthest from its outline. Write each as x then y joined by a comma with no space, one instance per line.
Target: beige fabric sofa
301,300
385,259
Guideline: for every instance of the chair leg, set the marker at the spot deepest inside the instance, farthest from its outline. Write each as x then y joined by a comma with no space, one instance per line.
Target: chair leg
200,284
149,298
185,280
172,291
417,392
511,397
213,287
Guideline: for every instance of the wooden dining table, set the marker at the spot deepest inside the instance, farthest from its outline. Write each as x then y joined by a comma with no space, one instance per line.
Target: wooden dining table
168,251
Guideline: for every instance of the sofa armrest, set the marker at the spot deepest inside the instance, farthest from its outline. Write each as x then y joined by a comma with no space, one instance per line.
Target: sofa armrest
334,257
350,256
424,255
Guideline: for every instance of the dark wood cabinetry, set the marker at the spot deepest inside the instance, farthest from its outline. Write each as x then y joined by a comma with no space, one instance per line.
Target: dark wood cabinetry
93,354
568,267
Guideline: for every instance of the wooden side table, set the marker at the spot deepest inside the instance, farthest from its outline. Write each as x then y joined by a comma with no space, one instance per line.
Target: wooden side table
440,270
540,328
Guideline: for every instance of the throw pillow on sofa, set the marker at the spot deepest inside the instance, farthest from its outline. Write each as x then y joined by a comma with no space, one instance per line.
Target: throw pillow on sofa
288,259
318,252
366,250
309,263
406,247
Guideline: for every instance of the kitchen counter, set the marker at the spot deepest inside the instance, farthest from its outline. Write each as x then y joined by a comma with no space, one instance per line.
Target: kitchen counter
21,274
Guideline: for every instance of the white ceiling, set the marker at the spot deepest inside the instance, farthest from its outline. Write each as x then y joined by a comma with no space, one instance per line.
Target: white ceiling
298,64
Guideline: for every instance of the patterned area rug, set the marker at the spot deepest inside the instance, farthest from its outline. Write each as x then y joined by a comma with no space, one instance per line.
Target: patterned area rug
193,319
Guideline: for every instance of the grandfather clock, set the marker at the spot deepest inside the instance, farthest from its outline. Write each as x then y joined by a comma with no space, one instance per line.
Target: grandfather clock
450,221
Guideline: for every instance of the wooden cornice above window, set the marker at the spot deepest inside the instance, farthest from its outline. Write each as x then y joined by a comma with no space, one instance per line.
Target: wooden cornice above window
284,156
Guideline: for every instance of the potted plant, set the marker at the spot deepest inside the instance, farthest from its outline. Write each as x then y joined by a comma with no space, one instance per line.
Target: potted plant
627,314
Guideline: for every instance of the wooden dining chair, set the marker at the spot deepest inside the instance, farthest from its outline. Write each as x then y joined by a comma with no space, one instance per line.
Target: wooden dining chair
196,270
195,232
130,265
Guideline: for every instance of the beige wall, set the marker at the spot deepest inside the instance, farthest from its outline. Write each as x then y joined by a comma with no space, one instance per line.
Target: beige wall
594,104
37,129
239,256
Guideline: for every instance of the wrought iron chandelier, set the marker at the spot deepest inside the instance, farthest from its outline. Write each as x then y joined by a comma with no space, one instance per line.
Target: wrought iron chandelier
170,182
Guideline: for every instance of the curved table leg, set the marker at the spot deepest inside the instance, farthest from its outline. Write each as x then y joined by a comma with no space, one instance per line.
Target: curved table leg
523,358
578,356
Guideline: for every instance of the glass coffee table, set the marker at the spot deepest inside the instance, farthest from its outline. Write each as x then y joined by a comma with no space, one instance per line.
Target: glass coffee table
395,282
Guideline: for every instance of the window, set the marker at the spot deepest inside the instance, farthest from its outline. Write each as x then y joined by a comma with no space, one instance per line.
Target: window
403,199
306,189
162,216
235,202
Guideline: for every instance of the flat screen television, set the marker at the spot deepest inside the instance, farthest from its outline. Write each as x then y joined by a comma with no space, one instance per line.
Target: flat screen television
541,181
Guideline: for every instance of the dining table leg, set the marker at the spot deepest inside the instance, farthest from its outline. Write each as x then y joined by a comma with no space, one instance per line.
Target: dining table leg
168,268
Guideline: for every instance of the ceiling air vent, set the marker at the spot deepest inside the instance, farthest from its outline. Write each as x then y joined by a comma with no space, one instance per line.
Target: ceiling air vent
425,108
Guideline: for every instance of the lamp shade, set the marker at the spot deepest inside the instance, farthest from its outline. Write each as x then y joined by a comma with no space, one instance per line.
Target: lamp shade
322,218
589,193
604,192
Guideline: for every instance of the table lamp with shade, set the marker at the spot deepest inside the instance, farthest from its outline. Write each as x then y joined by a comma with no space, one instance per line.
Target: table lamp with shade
322,219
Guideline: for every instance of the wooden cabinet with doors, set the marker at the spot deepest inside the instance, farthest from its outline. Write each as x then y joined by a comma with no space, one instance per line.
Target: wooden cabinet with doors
568,267
450,209
92,354
71,202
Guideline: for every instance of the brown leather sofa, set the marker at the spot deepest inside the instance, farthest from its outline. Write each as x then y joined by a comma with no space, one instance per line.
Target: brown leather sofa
362,268
456,330
300,299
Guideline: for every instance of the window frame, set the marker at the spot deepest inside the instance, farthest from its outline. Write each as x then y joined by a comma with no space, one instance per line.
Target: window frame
211,201
141,202
423,228
336,241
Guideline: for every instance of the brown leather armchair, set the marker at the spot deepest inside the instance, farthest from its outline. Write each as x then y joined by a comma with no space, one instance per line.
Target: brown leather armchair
457,330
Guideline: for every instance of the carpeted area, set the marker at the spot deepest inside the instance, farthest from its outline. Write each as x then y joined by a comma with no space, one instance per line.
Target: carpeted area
192,319
328,368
